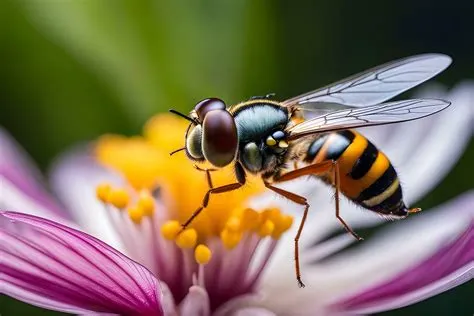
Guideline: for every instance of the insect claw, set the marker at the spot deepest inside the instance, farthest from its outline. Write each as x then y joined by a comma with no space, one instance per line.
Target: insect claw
300,283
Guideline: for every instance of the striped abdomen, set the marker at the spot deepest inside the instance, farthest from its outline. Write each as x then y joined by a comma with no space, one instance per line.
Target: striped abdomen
366,175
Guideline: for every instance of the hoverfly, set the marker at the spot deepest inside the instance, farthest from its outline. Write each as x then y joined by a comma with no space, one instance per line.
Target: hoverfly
263,136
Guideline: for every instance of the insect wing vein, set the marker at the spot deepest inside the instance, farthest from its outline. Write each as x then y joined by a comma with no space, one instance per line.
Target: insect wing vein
385,113
375,85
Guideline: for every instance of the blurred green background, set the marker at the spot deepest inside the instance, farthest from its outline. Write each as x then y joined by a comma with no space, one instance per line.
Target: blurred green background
72,70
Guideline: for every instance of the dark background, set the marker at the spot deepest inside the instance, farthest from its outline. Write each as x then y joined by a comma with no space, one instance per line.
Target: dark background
70,71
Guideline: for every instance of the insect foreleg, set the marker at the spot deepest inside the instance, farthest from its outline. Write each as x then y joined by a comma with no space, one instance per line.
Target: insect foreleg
240,174
208,174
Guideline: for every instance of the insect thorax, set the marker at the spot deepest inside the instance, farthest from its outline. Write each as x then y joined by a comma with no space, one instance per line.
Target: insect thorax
255,121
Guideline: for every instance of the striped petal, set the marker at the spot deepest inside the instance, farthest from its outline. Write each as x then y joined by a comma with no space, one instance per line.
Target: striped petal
53,266
22,188
449,267
384,257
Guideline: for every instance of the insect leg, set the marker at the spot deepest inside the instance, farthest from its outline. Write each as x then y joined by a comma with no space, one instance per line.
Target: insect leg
240,174
337,184
208,174
302,201
318,168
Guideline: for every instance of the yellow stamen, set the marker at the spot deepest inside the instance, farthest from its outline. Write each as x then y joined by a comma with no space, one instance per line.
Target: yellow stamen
233,224
230,239
249,219
282,225
136,214
187,239
170,229
146,203
118,198
102,192
134,157
272,214
266,228
202,254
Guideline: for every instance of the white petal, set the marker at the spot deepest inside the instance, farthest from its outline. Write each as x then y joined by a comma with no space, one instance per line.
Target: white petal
254,311
168,304
377,259
195,303
248,301
13,199
450,133
74,177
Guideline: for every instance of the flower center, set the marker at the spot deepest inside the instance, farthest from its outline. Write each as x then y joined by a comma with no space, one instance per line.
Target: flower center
145,163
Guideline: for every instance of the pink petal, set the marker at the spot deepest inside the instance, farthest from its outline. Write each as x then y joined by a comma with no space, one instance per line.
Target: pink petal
449,267
17,169
53,266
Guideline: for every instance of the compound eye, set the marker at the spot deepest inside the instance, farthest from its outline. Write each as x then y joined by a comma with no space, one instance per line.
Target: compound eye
207,105
219,138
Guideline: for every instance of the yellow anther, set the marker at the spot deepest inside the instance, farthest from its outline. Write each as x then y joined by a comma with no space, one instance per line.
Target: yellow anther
102,192
270,141
230,239
233,224
146,203
202,254
136,214
118,198
249,219
272,214
283,225
170,229
187,239
266,228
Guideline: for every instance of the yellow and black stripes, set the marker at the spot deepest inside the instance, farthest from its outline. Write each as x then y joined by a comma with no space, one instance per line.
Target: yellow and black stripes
366,175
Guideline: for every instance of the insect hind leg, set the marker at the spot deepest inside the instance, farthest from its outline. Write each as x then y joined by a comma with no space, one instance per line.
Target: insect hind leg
324,167
337,185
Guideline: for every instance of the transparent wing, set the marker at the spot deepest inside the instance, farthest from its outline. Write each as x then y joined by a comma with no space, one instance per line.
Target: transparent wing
380,114
375,85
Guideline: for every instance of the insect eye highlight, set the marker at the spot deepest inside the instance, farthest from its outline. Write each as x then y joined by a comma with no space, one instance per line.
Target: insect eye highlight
207,105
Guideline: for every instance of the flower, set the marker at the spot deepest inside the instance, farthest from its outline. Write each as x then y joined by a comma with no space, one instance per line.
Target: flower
235,258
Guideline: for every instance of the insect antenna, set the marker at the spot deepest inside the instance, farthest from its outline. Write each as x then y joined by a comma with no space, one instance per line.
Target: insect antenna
183,116
177,150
